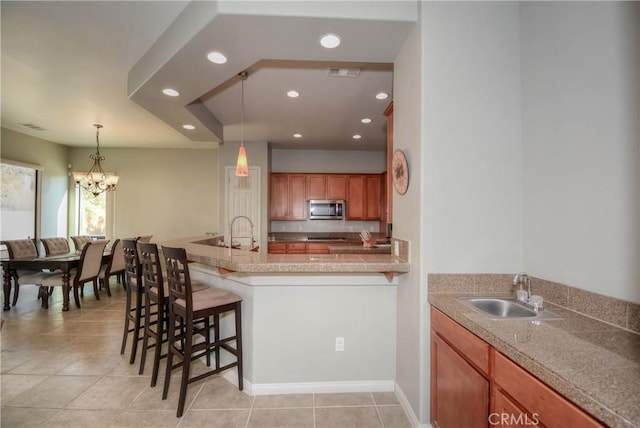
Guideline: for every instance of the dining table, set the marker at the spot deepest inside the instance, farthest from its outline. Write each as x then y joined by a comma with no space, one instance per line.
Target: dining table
63,262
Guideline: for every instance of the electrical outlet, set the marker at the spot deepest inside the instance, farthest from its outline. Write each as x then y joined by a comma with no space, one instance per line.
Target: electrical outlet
339,344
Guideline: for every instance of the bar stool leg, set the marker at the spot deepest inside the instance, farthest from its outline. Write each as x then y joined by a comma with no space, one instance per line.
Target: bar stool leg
171,333
127,317
136,326
239,344
186,365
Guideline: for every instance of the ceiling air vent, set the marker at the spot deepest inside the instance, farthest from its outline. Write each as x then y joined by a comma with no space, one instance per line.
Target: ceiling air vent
344,72
34,127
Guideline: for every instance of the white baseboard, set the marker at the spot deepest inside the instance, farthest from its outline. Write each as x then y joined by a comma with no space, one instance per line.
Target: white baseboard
309,387
408,410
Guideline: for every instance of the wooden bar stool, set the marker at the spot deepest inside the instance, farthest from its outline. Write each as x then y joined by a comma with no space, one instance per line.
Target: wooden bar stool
156,292
187,308
133,311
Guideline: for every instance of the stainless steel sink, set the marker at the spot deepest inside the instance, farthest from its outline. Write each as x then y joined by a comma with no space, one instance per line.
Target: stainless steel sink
503,308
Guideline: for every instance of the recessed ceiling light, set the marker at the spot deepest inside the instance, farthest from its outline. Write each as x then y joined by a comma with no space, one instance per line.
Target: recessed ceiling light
297,135
216,57
189,127
382,96
357,137
366,120
330,41
293,94
170,92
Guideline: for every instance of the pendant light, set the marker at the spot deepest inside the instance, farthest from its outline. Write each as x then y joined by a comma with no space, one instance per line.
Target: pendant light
242,166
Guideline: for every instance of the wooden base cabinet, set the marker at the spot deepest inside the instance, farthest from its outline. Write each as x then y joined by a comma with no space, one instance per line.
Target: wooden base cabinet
474,385
460,394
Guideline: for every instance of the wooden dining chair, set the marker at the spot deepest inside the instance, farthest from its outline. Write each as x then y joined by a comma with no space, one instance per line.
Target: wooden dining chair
21,248
79,241
55,246
88,270
114,266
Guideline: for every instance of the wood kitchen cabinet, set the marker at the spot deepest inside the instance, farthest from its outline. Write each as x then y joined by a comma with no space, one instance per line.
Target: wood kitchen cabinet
534,402
459,390
473,384
287,198
326,186
287,248
316,186
364,197
336,187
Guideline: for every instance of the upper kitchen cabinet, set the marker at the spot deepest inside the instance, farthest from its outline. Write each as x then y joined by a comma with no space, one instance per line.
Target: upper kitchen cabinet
287,197
364,197
316,186
327,186
336,187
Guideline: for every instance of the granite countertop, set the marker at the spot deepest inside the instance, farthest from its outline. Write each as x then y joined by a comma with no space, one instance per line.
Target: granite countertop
202,249
594,364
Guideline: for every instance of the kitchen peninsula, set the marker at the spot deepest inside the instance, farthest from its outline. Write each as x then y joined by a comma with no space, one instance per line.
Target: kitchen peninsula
298,307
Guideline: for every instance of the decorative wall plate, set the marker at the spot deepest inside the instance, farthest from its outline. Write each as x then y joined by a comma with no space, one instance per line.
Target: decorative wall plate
400,172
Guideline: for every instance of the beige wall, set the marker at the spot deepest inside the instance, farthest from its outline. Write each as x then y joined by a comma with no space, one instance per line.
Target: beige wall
52,158
167,193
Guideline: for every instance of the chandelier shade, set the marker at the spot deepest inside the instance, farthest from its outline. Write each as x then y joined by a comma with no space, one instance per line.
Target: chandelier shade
96,181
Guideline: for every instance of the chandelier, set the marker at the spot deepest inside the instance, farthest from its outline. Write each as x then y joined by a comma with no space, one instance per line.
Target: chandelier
242,167
96,180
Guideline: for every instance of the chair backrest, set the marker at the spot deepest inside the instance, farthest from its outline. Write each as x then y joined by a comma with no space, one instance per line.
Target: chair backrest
132,270
178,276
90,261
144,238
116,259
151,269
55,246
19,248
79,241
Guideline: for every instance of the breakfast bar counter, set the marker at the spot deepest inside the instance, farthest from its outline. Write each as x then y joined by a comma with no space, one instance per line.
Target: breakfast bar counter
203,250
298,308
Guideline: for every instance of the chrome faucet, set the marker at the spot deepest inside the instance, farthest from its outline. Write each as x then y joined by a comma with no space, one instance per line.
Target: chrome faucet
519,279
253,241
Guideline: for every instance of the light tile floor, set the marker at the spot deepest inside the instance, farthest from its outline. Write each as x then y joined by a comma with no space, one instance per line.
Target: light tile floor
65,370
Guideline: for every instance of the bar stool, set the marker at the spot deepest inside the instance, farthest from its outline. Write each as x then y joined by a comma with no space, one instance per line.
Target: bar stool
156,291
187,308
133,311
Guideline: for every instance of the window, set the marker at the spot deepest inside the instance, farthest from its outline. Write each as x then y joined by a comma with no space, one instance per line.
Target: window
19,201
92,213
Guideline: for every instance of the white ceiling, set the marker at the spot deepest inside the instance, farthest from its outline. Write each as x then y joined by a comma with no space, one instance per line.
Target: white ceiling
68,65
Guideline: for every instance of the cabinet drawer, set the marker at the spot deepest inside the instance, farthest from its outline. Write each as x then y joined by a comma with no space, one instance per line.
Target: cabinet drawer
277,248
468,344
317,248
550,408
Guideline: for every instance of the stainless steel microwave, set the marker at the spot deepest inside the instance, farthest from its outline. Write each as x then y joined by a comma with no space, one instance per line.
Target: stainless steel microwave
325,210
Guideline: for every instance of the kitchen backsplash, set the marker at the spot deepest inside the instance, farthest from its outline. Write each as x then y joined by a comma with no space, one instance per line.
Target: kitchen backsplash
604,308
325,226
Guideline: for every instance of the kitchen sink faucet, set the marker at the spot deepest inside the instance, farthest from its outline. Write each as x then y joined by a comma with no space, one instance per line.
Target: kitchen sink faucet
253,241
519,279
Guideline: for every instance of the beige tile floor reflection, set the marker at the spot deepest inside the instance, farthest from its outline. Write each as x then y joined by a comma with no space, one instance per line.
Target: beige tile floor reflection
65,370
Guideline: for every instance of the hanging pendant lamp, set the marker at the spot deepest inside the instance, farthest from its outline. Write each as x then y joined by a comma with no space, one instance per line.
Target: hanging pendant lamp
242,166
